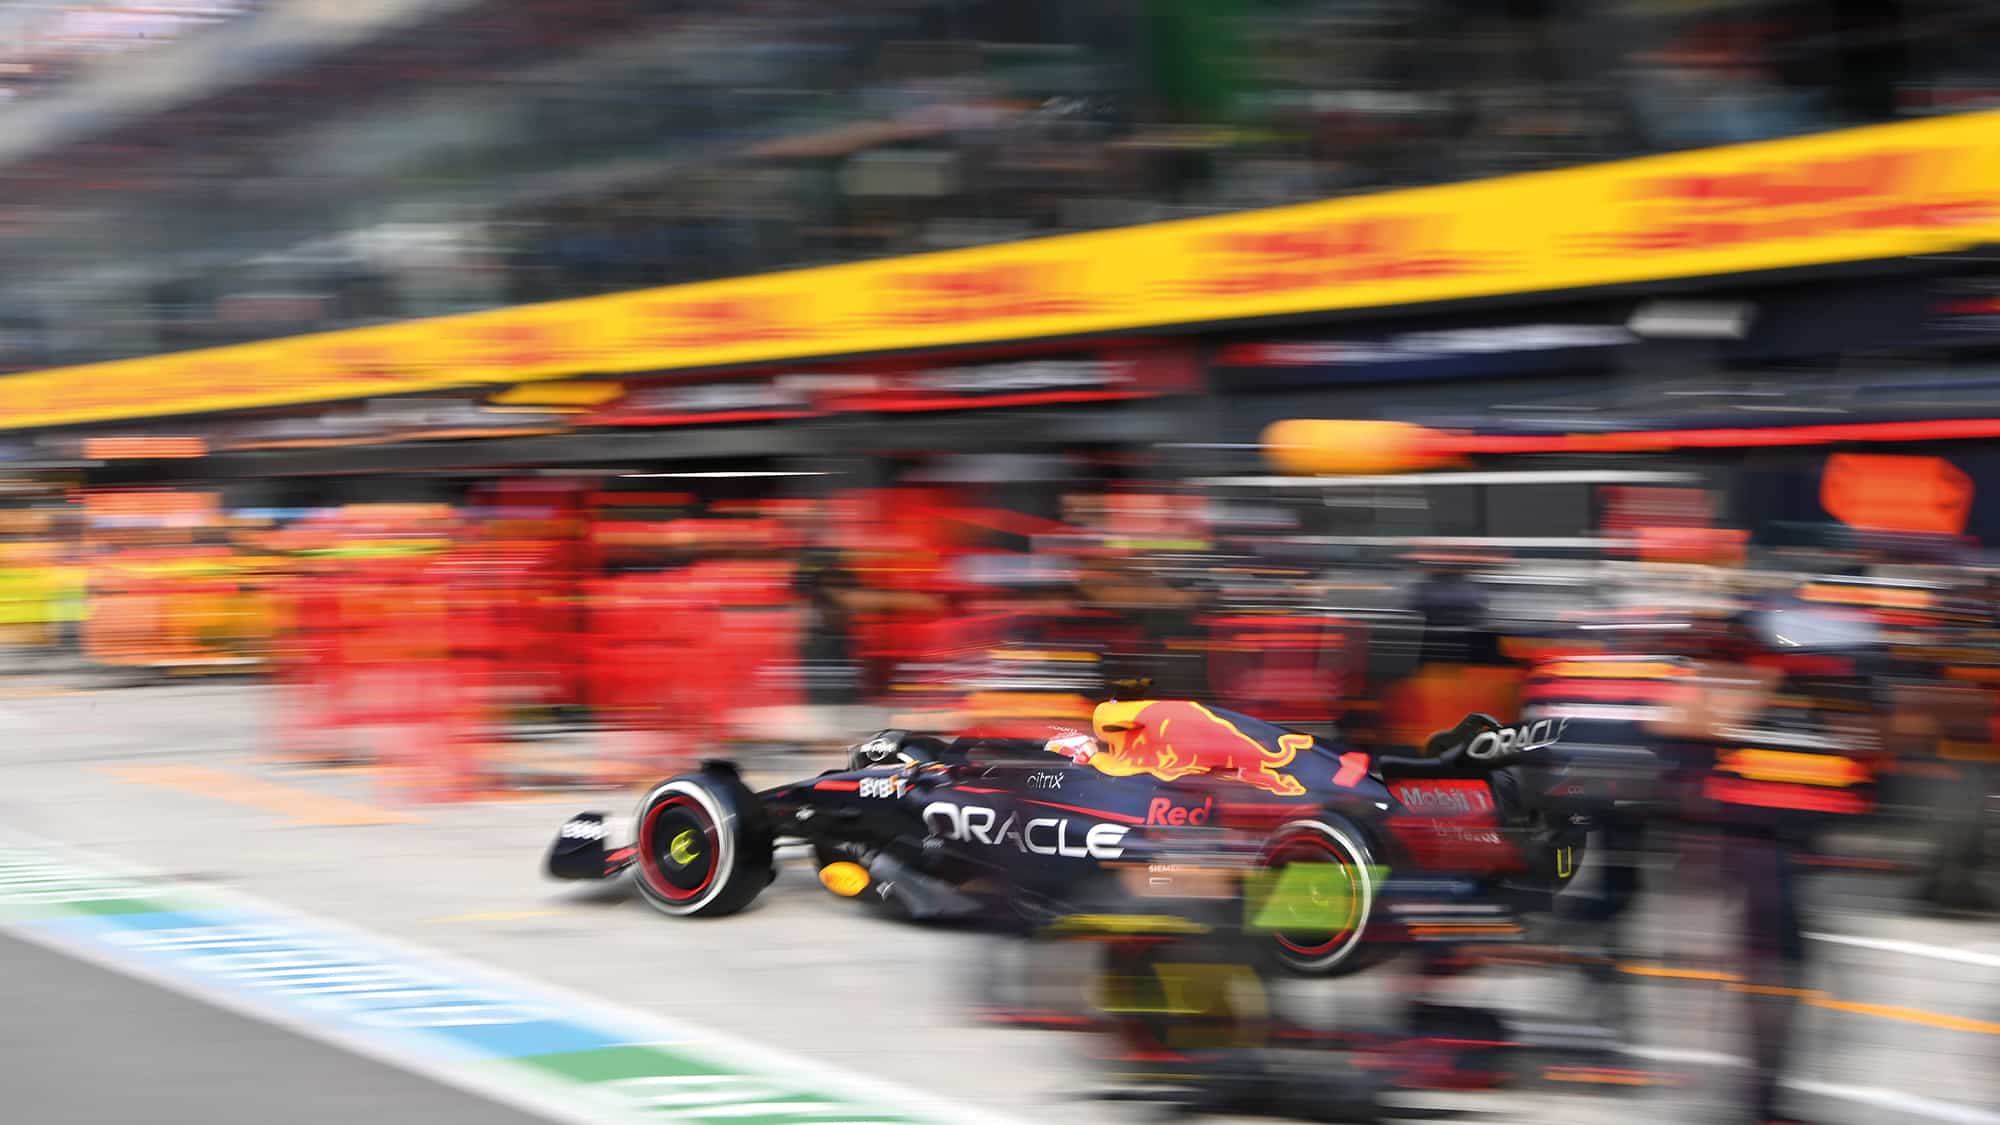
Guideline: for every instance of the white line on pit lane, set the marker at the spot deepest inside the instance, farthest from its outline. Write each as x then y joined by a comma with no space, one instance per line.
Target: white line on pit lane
552,1099
553,1102
12,719
1914,1104
1912,949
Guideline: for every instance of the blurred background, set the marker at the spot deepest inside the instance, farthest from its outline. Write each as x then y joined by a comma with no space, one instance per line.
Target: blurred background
542,394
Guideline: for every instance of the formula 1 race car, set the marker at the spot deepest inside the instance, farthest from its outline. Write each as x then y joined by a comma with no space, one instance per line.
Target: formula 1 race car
972,827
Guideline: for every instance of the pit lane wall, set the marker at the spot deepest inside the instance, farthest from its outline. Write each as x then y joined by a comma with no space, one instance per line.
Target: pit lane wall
1890,191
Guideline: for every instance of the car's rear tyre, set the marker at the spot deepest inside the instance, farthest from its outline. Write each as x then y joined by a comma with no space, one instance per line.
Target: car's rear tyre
1318,918
703,849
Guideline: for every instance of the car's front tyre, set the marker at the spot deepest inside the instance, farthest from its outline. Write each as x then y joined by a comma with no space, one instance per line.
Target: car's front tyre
703,849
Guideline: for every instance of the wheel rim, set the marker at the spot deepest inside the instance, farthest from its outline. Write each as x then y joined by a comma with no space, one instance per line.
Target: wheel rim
678,848
1321,895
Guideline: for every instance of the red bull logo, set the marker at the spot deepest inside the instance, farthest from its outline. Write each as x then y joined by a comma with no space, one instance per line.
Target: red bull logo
1172,739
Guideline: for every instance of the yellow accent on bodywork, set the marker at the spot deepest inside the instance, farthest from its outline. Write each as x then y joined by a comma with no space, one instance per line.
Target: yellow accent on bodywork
844,879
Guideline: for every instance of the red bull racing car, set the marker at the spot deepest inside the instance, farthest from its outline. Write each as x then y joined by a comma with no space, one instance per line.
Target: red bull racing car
971,827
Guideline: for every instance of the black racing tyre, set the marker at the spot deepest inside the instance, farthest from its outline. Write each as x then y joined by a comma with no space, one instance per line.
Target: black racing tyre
703,847
1343,878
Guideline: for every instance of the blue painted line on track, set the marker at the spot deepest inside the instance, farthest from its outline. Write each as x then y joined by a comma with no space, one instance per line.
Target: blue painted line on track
568,1056
333,978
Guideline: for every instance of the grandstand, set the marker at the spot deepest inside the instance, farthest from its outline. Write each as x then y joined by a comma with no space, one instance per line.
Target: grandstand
260,170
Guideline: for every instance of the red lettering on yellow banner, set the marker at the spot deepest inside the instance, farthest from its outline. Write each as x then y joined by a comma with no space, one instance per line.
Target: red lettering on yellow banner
718,322
1374,248
1854,194
360,362
520,344
994,292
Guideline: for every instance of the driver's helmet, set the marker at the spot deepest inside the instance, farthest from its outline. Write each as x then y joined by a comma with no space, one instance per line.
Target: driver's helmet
1078,746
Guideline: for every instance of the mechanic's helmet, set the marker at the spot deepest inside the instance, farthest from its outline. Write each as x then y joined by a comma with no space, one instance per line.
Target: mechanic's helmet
1824,653
1788,624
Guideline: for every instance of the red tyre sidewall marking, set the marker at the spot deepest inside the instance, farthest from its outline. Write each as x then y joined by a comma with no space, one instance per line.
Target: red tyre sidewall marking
1317,842
649,863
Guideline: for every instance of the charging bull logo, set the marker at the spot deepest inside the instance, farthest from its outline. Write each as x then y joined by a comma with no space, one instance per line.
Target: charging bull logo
1173,739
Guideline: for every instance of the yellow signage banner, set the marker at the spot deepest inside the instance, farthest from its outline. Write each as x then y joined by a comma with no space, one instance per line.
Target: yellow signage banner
1913,188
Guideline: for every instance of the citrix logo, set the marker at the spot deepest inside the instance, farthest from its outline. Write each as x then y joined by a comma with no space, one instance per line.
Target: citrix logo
1048,835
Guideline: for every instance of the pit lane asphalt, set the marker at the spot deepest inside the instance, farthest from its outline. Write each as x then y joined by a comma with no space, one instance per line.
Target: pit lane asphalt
81,1045
145,774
